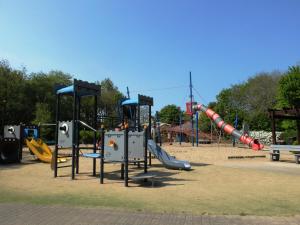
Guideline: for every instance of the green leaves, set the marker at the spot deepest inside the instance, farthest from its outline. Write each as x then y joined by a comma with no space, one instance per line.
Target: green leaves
32,99
289,88
170,114
250,100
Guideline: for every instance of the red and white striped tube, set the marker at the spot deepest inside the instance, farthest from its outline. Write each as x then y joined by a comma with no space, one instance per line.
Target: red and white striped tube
253,143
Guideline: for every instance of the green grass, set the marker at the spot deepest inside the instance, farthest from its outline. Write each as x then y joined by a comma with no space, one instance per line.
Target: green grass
230,206
85,200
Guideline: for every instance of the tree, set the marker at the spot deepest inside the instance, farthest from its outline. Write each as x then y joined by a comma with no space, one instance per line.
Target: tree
43,115
204,120
32,98
41,89
230,104
14,107
170,114
109,101
289,96
289,88
250,101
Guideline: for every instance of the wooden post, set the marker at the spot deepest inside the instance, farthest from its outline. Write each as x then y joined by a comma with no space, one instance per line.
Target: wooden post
298,131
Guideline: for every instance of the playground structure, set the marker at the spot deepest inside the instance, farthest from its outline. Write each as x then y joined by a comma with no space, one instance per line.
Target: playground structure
192,107
18,136
131,111
130,145
114,144
168,161
9,150
67,132
11,146
127,146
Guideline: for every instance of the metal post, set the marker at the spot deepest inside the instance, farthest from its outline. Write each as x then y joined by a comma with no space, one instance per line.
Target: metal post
158,128
149,134
145,150
128,94
56,133
191,100
77,107
74,135
126,158
102,156
95,134
197,129
180,125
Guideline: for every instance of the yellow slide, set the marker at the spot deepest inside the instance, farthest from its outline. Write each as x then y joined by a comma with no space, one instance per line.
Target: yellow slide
41,150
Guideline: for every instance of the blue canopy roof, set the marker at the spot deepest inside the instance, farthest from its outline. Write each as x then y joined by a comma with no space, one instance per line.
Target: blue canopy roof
130,102
65,90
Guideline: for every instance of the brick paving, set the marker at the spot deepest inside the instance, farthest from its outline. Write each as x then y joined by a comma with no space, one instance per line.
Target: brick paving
27,214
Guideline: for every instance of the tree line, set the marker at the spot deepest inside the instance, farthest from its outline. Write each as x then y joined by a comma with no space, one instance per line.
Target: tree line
31,99
249,101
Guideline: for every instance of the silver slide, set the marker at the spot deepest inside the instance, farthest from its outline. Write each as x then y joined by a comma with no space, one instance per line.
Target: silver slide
168,161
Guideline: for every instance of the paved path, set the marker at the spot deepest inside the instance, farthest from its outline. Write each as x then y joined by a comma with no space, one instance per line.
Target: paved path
15,214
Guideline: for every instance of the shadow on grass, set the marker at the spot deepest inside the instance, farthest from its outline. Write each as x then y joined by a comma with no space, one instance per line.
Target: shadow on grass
159,179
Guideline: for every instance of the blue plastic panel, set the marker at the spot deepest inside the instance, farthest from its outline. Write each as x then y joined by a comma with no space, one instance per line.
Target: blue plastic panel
130,102
92,155
66,90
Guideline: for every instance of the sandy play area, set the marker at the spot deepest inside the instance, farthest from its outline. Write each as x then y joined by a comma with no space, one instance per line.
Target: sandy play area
247,184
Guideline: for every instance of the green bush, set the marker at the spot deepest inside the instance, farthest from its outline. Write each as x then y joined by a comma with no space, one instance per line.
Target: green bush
296,143
289,136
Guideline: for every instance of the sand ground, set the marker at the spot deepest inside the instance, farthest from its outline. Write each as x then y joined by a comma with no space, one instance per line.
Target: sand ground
215,185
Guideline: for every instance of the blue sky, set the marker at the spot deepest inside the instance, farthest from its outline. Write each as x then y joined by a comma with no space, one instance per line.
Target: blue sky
150,46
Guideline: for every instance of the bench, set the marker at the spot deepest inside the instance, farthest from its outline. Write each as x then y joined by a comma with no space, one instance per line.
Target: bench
297,158
276,149
144,177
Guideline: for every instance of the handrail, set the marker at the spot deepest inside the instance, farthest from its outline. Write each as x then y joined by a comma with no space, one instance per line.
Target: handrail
86,125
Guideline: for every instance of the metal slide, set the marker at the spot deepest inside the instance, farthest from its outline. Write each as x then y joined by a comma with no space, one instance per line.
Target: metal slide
251,142
169,161
41,150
